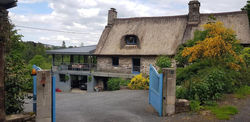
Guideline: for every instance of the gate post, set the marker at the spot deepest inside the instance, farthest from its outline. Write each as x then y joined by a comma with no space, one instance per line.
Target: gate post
44,98
169,89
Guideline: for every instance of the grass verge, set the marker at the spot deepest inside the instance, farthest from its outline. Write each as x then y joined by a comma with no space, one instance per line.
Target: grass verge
223,112
242,92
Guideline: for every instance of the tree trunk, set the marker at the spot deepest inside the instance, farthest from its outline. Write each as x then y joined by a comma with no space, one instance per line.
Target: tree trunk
2,111
4,35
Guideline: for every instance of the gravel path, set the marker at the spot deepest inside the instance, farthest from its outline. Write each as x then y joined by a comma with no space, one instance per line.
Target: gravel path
244,111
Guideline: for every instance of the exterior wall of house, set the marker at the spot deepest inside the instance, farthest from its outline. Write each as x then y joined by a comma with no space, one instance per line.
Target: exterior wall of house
146,61
104,64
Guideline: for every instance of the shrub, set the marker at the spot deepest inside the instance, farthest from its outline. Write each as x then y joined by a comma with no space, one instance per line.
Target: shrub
246,55
139,82
209,84
242,92
124,82
114,84
163,62
199,91
181,92
195,105
186,73
198,36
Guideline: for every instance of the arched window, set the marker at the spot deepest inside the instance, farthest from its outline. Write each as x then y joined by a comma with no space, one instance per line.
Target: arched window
131,40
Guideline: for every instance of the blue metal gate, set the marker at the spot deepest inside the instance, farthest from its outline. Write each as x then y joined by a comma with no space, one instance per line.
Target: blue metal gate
155,89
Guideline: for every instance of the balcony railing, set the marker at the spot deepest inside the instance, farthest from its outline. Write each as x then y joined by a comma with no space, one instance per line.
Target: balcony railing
101,68
120,69
75,66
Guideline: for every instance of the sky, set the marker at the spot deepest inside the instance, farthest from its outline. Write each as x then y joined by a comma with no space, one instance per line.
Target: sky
82,21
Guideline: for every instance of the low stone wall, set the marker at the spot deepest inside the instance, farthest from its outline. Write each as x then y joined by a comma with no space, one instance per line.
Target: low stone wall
182,105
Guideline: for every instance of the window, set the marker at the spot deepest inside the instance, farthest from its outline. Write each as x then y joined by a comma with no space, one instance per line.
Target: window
115,61
131,39
62,77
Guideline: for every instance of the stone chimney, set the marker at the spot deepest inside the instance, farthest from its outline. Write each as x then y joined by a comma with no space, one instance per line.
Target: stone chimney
112,15
194,12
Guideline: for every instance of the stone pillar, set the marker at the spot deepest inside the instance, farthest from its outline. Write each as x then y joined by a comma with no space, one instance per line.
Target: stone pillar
112,15
44,98
169,88
194,12
4,35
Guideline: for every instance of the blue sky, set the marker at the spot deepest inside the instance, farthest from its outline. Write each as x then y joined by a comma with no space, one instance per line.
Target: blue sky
32,8
89,17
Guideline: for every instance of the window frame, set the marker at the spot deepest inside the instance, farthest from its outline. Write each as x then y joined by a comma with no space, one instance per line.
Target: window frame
129,42
115,61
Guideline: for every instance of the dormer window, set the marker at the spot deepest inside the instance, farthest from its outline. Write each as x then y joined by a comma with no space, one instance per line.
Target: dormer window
131,40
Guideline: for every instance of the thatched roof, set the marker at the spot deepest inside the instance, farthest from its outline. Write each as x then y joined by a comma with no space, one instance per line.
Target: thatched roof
162,35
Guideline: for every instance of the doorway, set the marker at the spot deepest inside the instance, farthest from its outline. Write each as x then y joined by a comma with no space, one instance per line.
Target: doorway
79,81
136,65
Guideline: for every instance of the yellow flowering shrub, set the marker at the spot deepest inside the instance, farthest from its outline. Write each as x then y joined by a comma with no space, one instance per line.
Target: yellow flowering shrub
218,44
139,82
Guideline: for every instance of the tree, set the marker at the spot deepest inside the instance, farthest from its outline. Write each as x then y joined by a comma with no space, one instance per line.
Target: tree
220,45
40,61
15,80
63,44
16,74
247,8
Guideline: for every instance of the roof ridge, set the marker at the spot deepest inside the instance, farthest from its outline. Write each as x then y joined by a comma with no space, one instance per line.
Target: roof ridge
230,12
173,16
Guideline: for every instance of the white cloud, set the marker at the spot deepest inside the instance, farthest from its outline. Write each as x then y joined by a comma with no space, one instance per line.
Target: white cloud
90,16
92,12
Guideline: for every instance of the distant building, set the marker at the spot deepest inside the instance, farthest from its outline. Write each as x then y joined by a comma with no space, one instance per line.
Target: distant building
128,45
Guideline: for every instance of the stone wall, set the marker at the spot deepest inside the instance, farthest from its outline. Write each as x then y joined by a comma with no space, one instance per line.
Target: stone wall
146,61
104,64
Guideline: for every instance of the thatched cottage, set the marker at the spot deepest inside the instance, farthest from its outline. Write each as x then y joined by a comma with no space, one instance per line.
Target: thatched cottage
128,45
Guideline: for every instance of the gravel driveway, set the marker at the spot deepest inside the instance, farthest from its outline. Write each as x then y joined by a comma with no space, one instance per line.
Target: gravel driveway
115,106
122,106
